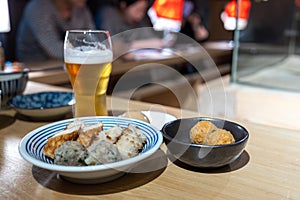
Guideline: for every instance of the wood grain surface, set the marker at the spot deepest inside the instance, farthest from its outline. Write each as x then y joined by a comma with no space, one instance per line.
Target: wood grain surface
269,168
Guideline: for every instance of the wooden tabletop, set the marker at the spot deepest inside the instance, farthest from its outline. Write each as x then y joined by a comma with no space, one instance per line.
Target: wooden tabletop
52,71
269,168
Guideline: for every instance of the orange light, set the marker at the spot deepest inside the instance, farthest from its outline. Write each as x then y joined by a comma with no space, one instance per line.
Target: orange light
169,9
244,9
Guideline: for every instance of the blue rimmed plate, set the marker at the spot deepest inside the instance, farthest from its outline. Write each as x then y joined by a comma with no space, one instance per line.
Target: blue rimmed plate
43,105
31,146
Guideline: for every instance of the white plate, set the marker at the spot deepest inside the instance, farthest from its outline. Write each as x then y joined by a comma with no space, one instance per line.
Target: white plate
31,147
152,54
158,119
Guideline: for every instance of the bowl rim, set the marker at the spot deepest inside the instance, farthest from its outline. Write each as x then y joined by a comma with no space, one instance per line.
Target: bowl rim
22,71
84,169
10,102
245,138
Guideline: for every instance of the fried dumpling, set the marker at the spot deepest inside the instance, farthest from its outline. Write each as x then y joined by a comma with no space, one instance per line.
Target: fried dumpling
59,138
70,153
131,142
102,152
87,133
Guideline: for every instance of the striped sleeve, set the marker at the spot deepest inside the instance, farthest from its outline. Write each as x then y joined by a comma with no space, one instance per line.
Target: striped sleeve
44,27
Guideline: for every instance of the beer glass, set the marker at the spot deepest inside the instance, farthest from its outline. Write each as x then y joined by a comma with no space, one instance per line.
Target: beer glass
88,57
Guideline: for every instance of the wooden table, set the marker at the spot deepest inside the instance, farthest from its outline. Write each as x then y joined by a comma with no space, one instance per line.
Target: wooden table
268,169
53,73
157,71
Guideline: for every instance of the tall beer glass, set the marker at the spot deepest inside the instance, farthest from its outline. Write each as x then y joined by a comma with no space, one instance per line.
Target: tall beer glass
88,56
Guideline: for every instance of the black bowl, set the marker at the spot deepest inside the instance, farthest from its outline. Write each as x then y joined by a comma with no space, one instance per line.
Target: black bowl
13,82
177,138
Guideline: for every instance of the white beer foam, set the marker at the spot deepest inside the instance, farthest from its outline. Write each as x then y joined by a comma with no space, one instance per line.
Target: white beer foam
88,56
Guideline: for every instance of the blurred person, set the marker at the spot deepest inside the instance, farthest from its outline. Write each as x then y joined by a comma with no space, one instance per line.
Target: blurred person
127,22
42,28
125,15
94,5
194,16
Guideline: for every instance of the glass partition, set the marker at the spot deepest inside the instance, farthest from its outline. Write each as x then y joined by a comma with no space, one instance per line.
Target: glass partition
266,53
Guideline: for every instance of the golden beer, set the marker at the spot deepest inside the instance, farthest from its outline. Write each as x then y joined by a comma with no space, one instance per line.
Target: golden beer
89,83
88,56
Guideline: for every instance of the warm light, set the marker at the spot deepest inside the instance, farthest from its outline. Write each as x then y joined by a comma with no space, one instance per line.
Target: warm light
229,15
4,16
166,14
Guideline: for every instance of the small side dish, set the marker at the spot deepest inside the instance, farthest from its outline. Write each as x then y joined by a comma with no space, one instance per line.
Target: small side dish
205,132
199,141
51,105
80,144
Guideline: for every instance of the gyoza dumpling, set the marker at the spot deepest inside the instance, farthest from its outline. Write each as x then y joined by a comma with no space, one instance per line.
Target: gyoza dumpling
131,142
87,133
70,153
76,123
102,152
59,138
112,135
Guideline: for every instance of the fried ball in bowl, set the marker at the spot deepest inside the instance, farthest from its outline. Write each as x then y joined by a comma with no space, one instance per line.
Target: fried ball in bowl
177,139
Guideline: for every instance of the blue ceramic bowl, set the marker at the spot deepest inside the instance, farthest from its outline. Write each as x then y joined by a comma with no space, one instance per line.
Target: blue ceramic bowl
43,105
177,138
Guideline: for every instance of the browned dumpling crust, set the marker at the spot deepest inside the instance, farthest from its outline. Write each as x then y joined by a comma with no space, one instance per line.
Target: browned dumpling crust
205,132
87,133
58,139
131,142
83,144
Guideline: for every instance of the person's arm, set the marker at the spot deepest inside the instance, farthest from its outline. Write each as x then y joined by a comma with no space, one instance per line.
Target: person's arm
109,20
200,31
87,18
44,27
